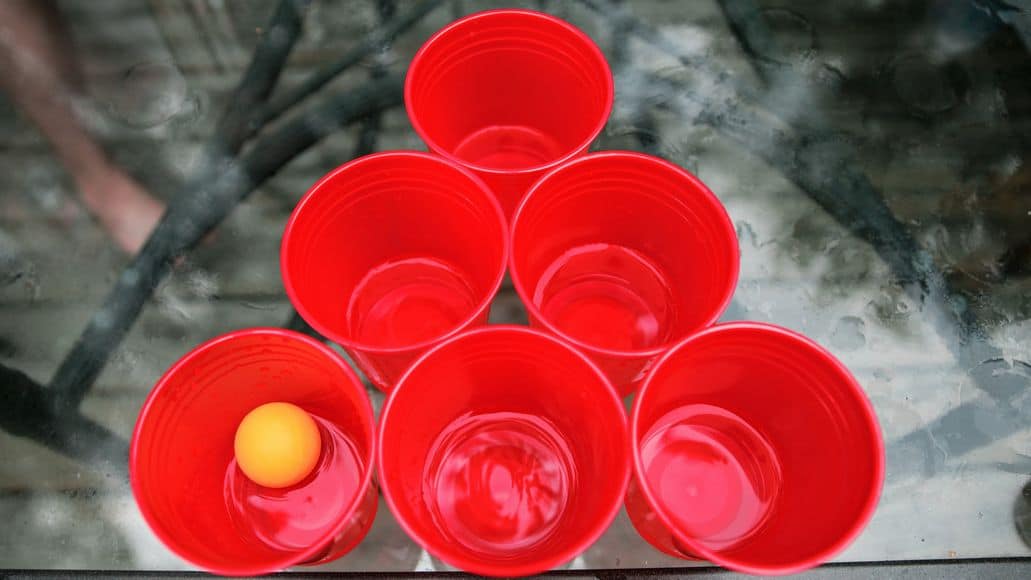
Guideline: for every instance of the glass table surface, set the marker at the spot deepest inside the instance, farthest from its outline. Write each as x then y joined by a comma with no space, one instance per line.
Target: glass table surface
875,158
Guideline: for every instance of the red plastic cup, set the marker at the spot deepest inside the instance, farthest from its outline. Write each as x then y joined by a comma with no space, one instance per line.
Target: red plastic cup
623,254
509,94
504,451
754,448
392,252
194,496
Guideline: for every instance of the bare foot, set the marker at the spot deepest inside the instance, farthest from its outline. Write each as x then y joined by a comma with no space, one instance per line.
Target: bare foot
122,206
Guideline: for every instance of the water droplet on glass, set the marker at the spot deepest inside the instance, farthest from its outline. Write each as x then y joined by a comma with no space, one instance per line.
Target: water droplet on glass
848,334
958,304
791,33
890,306
746,234
151,94
926,87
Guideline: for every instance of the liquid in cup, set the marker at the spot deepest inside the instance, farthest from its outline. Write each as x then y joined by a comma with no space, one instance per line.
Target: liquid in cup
623,254
754,448
504,452
392,252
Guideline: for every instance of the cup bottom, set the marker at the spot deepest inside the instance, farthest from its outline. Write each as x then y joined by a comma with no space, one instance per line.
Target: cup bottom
716,476
648,525
294,518
508,147
408,301
608,296
353,533
498,483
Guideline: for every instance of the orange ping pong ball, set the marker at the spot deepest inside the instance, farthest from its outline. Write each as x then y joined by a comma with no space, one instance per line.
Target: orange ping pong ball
277,445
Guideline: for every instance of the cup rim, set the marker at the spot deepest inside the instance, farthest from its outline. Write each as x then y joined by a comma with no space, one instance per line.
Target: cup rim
535,312
485,14
289,558
870,419
564,555
346,342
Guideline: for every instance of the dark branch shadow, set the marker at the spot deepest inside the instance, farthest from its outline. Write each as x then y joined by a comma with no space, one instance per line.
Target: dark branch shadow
27,412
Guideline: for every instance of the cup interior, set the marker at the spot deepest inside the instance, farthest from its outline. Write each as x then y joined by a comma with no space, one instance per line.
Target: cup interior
623,252
394,250
504,452
509,90
182,465
757,448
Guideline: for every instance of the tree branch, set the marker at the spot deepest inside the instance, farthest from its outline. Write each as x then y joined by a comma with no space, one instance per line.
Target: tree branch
27,412
200,207
746,24
83,364
370,44
267,62
369,127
